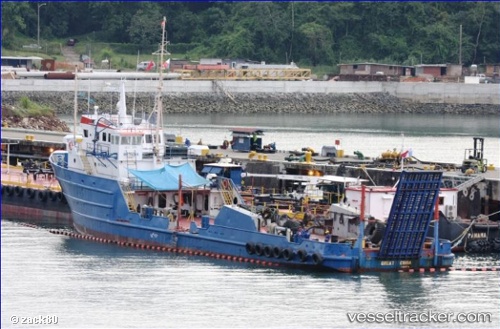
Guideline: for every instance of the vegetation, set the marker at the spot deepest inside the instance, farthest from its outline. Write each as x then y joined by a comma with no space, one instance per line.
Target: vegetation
27,108
316,34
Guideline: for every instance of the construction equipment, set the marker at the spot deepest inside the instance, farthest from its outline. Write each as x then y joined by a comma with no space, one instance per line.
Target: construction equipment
473,158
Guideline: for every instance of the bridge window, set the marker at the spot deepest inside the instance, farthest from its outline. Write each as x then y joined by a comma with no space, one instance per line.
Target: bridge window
212,170
137,140
85,133
156,138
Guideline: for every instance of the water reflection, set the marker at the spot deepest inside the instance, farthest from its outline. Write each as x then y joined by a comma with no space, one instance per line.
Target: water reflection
411,124
94,254
404,291
105,285
389,123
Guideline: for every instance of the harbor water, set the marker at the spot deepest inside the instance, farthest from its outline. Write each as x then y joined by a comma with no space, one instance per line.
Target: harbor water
84,284
430,137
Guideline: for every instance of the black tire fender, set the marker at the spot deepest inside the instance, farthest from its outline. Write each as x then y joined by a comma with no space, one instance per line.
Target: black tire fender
277,252
302,255
19,191
288,254
31,193
496,245
42,195
9,190
52,195
250,248
317,258
375,232
268,251
259,249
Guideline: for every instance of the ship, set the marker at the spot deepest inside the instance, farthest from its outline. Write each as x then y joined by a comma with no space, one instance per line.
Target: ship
120,186
478,234
30,194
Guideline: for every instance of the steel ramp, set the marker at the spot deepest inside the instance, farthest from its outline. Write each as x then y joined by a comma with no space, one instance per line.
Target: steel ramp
411,213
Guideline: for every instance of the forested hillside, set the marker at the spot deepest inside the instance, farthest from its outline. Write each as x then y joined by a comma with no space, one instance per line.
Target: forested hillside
310,34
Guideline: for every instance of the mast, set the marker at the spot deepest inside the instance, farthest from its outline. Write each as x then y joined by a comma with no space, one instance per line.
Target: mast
75,109
159,99
122,104
160,85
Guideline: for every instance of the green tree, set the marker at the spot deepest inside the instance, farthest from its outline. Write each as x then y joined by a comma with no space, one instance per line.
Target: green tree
315,33
236,44
13,21
319,41
145,28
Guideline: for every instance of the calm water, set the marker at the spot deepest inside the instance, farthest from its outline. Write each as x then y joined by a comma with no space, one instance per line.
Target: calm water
433,138
91,285
86,284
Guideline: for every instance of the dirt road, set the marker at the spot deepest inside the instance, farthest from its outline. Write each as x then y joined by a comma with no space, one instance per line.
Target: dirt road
71,57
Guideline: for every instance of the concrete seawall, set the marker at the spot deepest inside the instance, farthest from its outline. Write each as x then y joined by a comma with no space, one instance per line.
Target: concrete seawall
183,96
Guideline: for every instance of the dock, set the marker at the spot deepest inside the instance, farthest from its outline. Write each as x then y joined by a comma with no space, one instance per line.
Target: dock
35,199
38,145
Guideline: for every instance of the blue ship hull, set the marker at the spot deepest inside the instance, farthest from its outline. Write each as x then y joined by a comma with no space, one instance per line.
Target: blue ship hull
100,209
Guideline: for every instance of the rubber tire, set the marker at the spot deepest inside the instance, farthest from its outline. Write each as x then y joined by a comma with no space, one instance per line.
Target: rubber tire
317,258
31,193
259,249
375,232
19,191
288,254
268,251
250,248
277,252
9,190
302,255
42,195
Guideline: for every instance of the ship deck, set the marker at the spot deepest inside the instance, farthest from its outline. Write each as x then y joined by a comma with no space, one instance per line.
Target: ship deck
45,141
14,176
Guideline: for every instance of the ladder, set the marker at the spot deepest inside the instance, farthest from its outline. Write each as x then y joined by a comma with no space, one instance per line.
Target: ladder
131,160
229,192
86,164
128,194
226,190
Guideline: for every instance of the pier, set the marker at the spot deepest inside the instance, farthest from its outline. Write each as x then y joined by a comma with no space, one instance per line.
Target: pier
264,169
